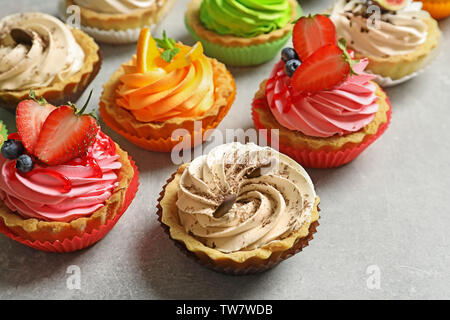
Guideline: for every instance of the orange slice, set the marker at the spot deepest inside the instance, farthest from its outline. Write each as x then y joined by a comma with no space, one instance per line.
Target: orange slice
184,59
147,51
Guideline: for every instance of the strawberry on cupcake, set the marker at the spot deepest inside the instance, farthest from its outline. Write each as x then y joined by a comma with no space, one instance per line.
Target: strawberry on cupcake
63,182
325,108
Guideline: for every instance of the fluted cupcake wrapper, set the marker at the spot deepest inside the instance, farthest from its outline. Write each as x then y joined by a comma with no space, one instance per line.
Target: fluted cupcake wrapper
252,268
322,159
241,56
87,239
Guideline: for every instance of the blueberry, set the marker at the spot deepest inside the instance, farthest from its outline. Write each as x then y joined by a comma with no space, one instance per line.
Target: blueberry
288,54
12,149
291,66
24,163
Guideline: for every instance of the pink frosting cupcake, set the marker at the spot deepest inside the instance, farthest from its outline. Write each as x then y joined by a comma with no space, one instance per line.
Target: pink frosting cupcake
57,202
325,110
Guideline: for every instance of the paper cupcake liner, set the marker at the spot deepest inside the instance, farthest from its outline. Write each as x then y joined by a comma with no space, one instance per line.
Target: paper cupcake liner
323,159
439,9
270,263
87,239
241,56
116,36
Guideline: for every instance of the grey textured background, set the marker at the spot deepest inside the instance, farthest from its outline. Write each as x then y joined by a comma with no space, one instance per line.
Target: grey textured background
388,208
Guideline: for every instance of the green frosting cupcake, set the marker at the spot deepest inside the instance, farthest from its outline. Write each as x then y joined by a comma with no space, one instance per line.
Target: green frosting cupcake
244,18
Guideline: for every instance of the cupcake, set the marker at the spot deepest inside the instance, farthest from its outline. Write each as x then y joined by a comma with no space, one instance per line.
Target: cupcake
398,45
318,104
240,209
40,52
63,182
118,21
242,33
439,9
167,95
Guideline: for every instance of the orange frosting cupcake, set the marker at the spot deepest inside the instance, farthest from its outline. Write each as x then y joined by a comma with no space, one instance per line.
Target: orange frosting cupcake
166,86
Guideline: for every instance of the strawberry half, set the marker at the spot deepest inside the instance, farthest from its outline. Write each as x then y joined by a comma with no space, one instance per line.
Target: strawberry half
66,134
324,69
312,33
30,117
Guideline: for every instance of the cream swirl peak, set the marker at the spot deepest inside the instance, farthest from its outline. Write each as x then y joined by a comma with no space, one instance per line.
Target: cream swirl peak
273,194
47,54
116,6
398,33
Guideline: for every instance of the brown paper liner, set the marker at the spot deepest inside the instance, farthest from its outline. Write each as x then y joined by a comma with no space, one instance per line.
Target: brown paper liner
157,136
71,89
250,266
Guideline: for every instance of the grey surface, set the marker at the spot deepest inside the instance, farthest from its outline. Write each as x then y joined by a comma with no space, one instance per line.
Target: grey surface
389,208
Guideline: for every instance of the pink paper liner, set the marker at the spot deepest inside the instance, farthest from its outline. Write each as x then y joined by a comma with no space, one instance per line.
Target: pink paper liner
87,239
321,159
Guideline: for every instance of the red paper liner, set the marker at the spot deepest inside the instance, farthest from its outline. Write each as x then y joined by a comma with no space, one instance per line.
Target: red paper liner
87,239
258,267
321,159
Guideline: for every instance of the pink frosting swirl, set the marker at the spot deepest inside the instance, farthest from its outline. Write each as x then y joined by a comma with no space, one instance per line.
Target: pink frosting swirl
344,109
42,195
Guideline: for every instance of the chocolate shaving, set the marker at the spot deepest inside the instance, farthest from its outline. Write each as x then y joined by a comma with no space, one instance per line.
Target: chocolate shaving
226,205
22,36
255,173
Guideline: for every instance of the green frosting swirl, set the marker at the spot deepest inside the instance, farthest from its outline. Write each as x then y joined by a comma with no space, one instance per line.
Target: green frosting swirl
244,18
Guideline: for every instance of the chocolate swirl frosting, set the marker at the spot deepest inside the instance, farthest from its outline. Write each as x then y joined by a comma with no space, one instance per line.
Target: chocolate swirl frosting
242,197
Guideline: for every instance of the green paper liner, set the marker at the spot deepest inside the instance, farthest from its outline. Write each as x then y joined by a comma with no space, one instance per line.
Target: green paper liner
242,56
3,133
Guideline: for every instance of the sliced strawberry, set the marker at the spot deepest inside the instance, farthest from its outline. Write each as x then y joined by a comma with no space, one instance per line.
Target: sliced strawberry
324,69
66,134
30,116
312,33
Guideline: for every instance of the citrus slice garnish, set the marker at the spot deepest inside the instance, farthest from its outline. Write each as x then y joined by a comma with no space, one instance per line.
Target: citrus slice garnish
184,59
147,51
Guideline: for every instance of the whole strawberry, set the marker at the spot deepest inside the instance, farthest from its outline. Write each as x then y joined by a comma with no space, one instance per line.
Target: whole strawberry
66,134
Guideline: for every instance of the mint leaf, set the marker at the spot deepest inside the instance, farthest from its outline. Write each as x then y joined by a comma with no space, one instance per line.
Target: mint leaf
169,46
168,55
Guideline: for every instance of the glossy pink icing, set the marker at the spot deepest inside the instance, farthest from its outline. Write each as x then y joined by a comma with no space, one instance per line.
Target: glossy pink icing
346,108
43,196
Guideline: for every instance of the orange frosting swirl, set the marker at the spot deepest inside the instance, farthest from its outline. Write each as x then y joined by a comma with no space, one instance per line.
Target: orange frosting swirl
160,95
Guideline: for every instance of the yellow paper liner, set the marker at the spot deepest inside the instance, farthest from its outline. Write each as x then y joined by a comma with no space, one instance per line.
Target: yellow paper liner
47,231
397,67
157,136
193,19
123,21
235,263
72,88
